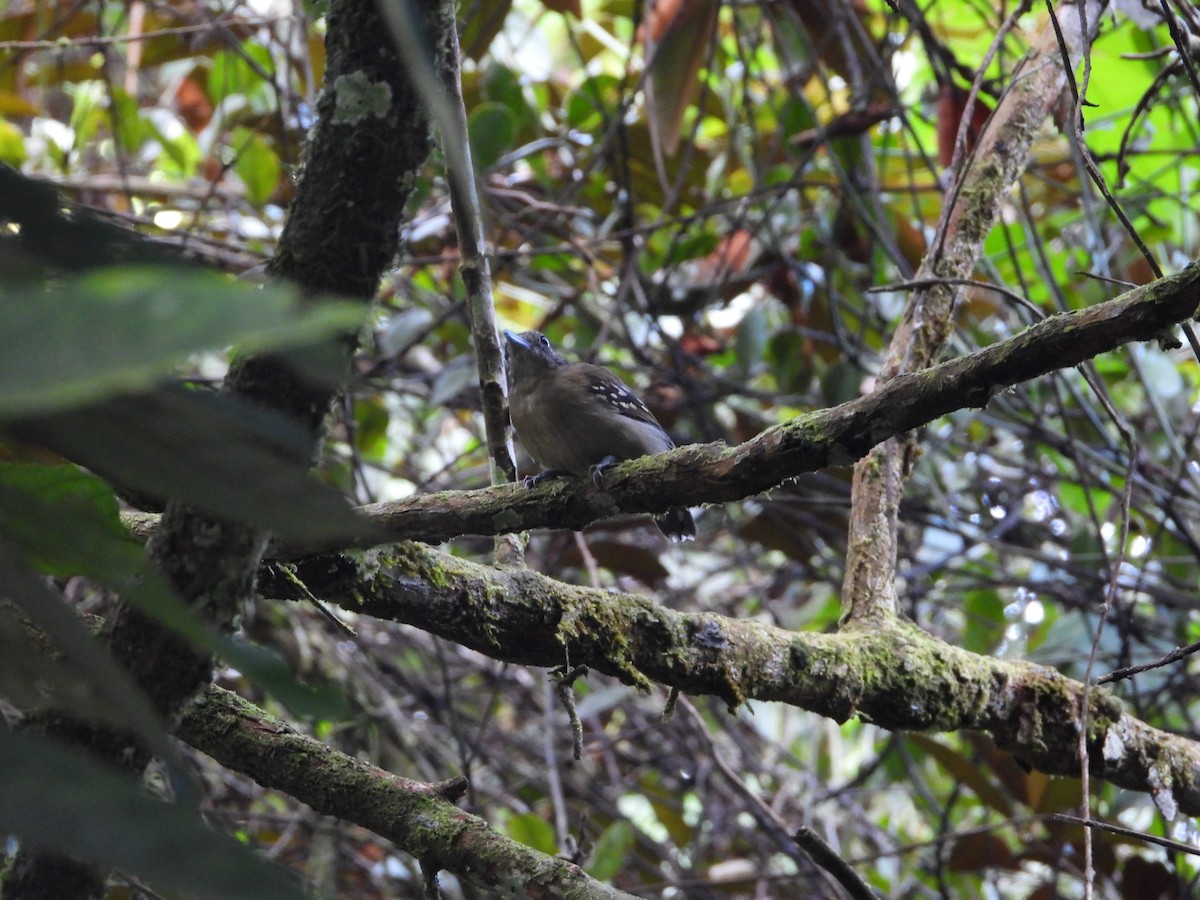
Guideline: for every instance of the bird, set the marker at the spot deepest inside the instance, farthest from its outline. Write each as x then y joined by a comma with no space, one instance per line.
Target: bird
578,419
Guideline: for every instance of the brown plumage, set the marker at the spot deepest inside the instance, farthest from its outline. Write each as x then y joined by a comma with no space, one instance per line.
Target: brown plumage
577,419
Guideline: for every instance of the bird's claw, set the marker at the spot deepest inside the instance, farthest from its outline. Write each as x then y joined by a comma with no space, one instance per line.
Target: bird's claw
597,471
532,481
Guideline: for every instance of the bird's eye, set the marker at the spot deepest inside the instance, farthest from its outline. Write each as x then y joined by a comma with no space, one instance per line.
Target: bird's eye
545,341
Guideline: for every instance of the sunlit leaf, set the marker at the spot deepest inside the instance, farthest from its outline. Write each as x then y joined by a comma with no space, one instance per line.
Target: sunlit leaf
257,165
12,143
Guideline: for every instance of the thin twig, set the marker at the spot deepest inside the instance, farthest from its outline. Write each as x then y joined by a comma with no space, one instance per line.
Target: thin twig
1177,846
1129,671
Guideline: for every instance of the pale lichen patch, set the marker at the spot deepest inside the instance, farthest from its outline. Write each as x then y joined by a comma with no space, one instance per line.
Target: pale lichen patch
357,98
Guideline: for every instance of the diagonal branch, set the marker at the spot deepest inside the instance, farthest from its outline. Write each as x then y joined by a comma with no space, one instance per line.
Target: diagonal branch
712,473
419,818
868,590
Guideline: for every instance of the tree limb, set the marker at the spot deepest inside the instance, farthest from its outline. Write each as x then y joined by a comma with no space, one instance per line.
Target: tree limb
419,818
970,210
713,473
890,673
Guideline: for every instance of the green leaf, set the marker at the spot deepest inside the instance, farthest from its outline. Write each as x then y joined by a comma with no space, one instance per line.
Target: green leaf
243,72
612,849
63,520
122,329
533,831
233,460
985,622
12,144
269,670
59,799
91,683
492,128
257,165
751,341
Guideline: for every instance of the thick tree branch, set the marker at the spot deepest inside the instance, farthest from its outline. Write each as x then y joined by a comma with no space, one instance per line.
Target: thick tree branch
890,673
419,818
712,473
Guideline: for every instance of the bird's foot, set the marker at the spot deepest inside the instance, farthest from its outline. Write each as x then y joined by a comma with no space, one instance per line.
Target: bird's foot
597,471
532,481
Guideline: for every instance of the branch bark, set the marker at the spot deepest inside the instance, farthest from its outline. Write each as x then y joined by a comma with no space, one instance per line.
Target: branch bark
890,672
712,473
419,818
868,590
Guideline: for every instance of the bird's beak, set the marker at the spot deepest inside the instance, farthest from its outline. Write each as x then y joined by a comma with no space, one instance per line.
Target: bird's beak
514,338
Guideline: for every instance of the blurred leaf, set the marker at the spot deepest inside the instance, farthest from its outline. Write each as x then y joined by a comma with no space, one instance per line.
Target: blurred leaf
51,516
234,73
985,622
456,376
679,35
64,520
34,678
1024,786
586,107
403,329
96,687
257,165
951,104
492,129
573,7
966,771
790,355
371,420
15,106
236,461
533,831
12,143
751,341
1143,879
182,153
56,798
640,562
979,852
267,669
841,382
840,31
482,25
121,329
611,851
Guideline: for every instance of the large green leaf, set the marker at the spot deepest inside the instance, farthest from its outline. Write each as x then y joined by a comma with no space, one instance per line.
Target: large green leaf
63,521
229,458
77,672
123,329
58,799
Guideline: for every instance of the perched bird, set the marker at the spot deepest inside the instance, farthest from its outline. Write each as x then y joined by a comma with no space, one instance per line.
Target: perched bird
576,418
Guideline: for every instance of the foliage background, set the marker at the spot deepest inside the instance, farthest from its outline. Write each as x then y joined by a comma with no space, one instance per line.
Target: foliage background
702,226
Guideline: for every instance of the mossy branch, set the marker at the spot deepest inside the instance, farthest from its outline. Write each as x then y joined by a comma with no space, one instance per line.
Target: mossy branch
714,473
892,673
419,818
